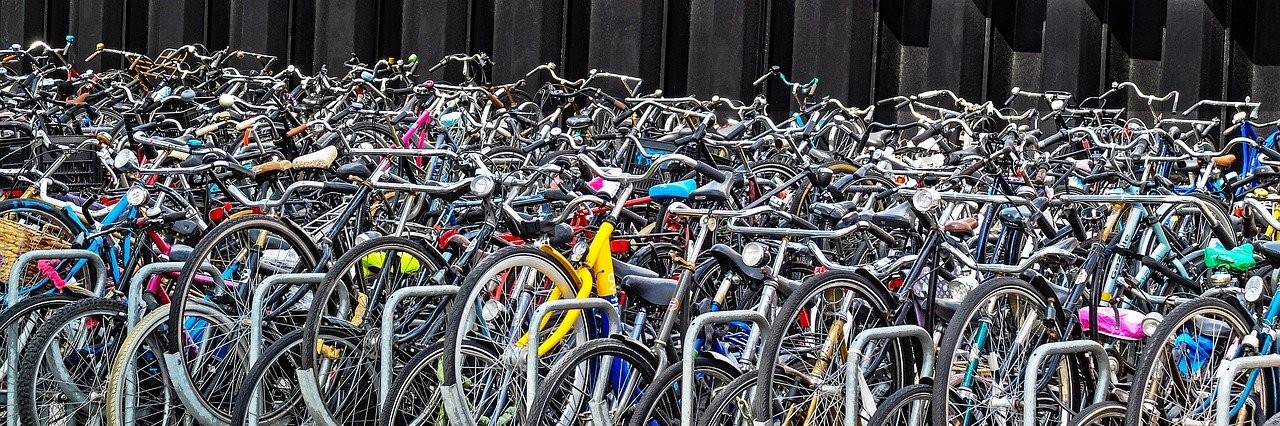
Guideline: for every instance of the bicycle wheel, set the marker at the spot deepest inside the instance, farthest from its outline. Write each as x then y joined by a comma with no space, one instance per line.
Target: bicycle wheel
908,406
1178,373
983,356
660,405
732,404
247,250
414,397
810,333
1105,413
598,382
24,318
494,308
140,390
275,374
352,297
65,363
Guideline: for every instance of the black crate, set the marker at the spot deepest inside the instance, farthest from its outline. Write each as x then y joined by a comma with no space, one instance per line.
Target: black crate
81,170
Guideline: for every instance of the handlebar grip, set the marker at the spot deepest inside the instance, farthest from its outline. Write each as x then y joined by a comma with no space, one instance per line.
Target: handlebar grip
624,116
435,67
340,115
880,233
616,103
401,91
207,129
296,130
711,171
1099,177
930,130
1053,139
1269,152
972,168
341,187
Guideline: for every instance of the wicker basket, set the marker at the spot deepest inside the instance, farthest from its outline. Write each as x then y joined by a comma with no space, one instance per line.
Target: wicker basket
16,239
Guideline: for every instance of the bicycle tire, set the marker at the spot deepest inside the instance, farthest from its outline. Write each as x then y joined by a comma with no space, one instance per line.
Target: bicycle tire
877,306
1105,413
663,394
585,360
417,381
475,289
890,411
94,315
1158,343
185,289
996,289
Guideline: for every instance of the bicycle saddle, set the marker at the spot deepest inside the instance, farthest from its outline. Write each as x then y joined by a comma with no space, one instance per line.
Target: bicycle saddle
180,253
712,191
961,226
901,216
673,191
578,122
1270,251
354,169
1017,216
657,291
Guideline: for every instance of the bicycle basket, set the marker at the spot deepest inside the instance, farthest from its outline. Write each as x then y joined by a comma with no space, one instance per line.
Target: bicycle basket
16,239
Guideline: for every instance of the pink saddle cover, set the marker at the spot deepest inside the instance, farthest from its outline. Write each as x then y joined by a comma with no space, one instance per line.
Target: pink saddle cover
1119,323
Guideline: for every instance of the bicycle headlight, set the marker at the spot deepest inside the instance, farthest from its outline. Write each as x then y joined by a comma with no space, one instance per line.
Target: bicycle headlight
136,196
925,199
1253,289
124,159
753,254
482,186
1150,322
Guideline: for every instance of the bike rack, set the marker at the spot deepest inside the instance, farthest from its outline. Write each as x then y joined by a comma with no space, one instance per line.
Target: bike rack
138,283
1032,376
11,298
386,343
853,377
255,324
531,347
690,354
1235,366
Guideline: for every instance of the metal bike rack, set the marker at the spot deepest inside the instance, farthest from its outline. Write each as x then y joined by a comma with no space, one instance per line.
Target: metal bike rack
1032,376
387,340
138,283
11,298
1235,366
255,323
690,354
853,377
535,324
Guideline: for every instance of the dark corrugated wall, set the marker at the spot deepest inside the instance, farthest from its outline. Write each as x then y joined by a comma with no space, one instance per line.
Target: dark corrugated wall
860,49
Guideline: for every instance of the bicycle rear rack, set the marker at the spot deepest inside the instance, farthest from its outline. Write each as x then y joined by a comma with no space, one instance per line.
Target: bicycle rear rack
691,354
11,298
853,377
1032,375
1223,399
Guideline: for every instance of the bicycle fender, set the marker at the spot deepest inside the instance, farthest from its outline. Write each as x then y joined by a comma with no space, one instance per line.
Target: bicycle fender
728,256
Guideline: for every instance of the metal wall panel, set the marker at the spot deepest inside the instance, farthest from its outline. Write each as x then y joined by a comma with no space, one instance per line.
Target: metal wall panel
860,49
